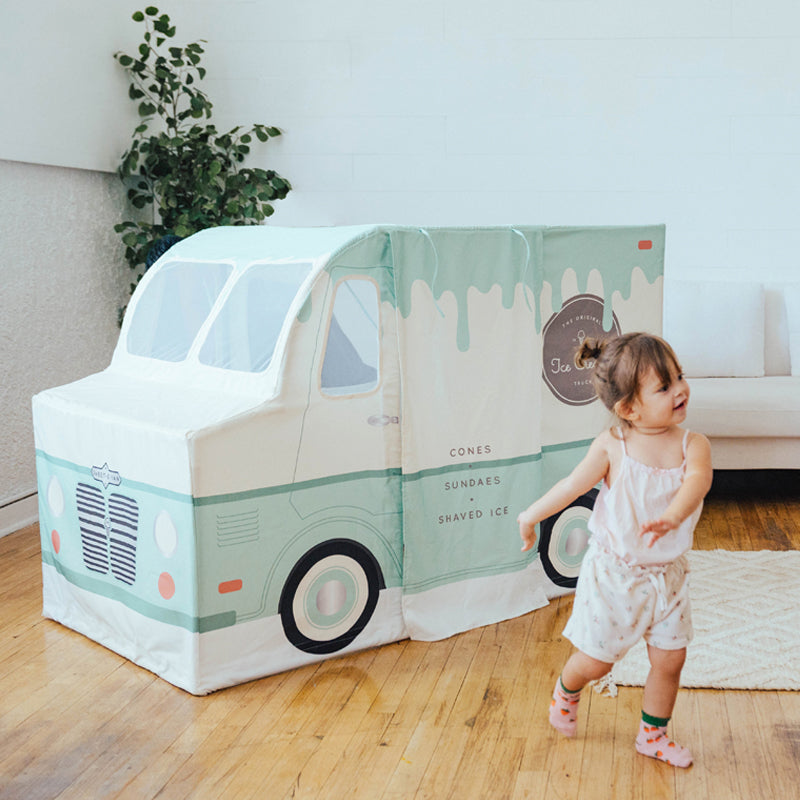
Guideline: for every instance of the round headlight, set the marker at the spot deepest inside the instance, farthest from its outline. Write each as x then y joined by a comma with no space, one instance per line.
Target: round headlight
55,497
166,534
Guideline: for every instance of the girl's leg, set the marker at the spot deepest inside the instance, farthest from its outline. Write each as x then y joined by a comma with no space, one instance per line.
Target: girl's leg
660,692
577,672
663,681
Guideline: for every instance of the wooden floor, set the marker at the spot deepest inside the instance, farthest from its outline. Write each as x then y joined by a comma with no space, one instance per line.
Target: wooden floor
462,718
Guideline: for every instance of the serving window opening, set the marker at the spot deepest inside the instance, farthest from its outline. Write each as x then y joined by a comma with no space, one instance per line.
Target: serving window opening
352,351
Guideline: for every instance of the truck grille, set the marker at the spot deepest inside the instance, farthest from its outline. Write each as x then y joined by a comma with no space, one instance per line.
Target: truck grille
108,532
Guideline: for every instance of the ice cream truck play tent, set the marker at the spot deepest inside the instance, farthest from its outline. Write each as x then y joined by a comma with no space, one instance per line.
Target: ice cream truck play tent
311,441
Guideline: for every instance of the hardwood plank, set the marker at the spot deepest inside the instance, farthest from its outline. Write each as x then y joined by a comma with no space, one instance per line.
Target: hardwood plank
597,767
686,729
718,746
530,785
627,764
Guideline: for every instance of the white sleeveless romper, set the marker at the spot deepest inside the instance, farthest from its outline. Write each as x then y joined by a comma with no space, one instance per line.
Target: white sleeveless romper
626,590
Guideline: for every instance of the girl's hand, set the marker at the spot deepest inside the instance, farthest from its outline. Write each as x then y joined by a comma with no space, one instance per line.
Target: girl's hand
527,531
658,527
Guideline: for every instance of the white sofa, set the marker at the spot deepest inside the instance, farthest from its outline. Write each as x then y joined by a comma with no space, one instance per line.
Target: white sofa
739,344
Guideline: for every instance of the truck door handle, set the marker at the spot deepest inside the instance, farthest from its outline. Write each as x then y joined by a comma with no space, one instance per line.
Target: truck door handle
380,420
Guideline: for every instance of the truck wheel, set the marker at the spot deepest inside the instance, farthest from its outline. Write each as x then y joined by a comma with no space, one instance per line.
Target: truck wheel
564,539
330,596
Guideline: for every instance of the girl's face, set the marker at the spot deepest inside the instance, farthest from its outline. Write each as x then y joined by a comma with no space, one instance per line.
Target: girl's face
660,404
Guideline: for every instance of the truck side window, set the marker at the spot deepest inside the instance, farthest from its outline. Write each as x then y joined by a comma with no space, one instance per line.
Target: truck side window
352,351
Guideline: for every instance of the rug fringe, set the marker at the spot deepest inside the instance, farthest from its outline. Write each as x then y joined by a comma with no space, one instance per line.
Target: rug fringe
605,685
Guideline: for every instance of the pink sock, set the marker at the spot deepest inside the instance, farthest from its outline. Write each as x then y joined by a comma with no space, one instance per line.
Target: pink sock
653,741
564,710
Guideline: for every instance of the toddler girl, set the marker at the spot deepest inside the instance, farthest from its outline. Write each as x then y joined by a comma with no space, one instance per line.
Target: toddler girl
633,580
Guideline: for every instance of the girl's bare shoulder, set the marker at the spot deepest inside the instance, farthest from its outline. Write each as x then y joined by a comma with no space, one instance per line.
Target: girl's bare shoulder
609,441
698,442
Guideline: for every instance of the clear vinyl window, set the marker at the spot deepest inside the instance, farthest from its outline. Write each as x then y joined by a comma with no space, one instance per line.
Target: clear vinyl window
245,332
352,351
170,313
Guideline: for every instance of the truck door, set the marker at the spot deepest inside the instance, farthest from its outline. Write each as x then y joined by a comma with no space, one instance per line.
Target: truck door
347,474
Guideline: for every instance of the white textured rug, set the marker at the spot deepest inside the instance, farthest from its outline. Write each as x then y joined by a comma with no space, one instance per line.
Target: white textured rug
746,614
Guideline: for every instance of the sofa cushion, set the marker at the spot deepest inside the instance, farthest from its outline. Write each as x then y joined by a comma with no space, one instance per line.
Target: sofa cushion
745,407
792,299
776,332
716,328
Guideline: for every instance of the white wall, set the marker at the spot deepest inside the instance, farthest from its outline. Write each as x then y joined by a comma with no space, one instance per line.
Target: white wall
462,111
425,111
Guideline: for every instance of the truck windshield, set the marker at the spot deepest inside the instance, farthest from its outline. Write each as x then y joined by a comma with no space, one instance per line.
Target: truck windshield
172,309
244,334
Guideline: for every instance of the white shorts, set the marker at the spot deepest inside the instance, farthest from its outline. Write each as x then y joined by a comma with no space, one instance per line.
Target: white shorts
617,604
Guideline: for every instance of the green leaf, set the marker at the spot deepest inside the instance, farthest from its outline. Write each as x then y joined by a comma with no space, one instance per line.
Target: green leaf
125,61
151,11
138,16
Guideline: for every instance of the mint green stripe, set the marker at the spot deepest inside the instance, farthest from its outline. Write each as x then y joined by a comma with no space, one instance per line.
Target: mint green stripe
143,487
557,448
326,481
296,487
168,616
496,464
506,462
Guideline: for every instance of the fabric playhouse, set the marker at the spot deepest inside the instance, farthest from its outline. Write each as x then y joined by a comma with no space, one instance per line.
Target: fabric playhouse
311,441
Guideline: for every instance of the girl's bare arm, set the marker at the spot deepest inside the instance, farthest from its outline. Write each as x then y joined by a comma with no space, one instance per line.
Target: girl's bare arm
591,470
696,483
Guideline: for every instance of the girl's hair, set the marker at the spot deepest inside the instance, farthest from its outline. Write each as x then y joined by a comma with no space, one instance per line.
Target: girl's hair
620,364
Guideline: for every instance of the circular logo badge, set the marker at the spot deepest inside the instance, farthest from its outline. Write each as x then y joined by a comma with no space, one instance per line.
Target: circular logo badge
581,317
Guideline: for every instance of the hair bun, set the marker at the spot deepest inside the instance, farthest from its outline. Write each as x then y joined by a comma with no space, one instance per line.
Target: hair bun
589,350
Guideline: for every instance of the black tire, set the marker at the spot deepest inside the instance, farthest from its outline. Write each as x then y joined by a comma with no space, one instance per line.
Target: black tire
564,539
330,596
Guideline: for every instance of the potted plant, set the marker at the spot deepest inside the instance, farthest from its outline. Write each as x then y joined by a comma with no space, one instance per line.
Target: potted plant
190,174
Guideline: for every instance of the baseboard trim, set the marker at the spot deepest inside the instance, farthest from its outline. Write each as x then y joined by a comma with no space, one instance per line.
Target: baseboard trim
19,514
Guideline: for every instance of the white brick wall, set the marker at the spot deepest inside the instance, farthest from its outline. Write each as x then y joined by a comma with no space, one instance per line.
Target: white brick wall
462,111
456,112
